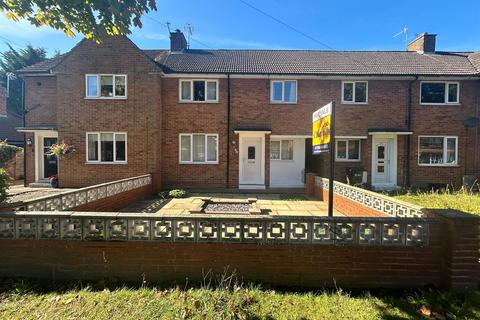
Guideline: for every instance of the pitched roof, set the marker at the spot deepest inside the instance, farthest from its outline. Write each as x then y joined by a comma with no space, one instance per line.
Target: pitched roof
306,62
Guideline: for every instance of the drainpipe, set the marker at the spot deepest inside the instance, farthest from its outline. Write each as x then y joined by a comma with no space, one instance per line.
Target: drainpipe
24,136
409,129
228,131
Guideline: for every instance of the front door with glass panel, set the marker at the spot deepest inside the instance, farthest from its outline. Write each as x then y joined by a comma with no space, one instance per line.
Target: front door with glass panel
50,162
251,161
383,170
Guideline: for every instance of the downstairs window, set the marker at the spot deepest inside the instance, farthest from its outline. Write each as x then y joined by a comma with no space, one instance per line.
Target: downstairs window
107,147
198,148
437,151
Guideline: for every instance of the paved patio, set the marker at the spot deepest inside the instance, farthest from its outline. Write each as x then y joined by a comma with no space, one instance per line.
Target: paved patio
271,203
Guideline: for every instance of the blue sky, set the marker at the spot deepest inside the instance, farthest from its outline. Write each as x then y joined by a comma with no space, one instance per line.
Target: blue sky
342,25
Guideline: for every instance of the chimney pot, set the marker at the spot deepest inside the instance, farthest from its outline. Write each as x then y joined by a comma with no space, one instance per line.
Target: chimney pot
177,41
423,43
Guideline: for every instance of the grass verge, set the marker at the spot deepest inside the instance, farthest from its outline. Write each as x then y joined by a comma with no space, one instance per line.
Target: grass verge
20,300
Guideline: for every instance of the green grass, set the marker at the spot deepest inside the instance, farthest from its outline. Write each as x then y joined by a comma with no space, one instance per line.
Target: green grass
293,197
458,200
20,301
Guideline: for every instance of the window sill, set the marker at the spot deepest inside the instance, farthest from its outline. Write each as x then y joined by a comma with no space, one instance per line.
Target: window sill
106,98
107,163
440,165
441,104
279,102
201,163
346,160
281,160
354,103
198,102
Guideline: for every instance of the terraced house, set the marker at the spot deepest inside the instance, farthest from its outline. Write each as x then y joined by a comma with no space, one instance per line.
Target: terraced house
242,118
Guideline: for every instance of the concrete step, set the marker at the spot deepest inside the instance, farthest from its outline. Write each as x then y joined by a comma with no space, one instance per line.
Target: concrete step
39,185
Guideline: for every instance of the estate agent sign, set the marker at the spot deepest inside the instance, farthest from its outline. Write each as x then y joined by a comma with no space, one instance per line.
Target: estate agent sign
321,129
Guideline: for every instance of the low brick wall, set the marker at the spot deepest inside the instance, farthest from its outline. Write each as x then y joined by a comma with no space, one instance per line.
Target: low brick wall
353,201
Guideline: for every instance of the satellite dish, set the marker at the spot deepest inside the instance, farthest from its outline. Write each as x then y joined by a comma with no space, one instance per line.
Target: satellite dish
471,122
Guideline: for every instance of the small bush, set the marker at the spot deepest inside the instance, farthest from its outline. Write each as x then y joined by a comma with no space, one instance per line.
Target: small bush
177,193
4,184
7,151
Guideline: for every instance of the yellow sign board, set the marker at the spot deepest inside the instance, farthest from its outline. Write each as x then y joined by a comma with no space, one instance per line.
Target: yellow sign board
321,126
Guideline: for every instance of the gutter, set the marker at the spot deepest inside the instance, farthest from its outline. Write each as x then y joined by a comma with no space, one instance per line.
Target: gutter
227,182
409,129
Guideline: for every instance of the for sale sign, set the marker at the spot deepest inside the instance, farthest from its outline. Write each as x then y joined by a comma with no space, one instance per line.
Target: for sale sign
321,129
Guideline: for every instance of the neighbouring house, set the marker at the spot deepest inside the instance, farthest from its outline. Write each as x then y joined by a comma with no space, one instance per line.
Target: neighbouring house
9,121
242,118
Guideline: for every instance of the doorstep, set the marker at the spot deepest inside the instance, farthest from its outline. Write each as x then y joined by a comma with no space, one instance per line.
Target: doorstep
40,184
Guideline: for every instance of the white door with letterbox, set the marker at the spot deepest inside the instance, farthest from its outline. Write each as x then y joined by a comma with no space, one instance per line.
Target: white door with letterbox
384,162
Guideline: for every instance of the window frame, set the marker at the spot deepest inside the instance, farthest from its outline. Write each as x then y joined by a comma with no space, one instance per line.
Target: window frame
272,101
180,100
353,93
180,161
280,150
337,159
447,84
444,164
99,148
98,96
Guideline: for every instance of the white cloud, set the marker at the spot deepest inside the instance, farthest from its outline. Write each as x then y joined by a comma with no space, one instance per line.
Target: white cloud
24,30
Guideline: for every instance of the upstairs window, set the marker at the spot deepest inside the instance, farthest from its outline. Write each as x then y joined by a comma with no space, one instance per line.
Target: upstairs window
198,148
347,150
107,147
437,151
281,150
354,92
284,91
439,92
198,91
106,86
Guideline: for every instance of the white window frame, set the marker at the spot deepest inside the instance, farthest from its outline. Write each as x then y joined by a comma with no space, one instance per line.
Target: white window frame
191,91
447,84
444,164
353,93
280,150
273,101
99,149
337,159
191,148
98,96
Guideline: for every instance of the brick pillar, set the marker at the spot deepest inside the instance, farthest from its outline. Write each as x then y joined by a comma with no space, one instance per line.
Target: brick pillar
310,184
461,249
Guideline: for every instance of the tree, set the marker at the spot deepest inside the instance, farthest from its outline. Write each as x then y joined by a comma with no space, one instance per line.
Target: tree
12,60
87,17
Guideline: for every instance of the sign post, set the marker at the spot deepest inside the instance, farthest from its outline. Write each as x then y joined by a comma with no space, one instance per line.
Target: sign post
323,140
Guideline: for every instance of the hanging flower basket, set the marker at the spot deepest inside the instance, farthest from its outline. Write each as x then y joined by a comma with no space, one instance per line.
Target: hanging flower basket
61,149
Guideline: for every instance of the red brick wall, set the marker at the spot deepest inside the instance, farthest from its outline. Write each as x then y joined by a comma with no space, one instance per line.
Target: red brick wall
118,201
311,266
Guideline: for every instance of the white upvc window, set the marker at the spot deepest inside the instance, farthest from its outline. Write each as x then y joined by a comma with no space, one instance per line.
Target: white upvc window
106,86
347,150
198,148
354,92
106,147
281,150
439,92
198,90
283,91
437,151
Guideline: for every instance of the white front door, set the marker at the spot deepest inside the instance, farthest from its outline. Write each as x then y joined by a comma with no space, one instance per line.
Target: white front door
251,158
384,162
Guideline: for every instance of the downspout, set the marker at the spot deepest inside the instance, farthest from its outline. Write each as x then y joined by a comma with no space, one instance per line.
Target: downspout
409,129
24,136
227,182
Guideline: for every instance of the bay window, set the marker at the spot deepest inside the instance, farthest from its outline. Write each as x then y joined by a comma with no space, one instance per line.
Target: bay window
106,86
106,147
437,150
198,148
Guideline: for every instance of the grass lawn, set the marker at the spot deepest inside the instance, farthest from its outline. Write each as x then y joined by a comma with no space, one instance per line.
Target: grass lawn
20,301
463,201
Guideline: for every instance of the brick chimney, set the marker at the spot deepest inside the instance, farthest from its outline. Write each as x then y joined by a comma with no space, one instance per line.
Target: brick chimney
424,43
3,102
177,41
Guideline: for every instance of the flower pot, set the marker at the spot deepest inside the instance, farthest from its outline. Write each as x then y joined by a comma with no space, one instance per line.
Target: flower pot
54,183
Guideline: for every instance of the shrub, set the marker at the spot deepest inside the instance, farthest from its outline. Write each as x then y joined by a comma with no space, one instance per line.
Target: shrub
177,193
7,151
4,184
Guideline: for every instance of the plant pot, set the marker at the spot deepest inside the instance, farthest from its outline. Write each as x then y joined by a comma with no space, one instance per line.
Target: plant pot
54,183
